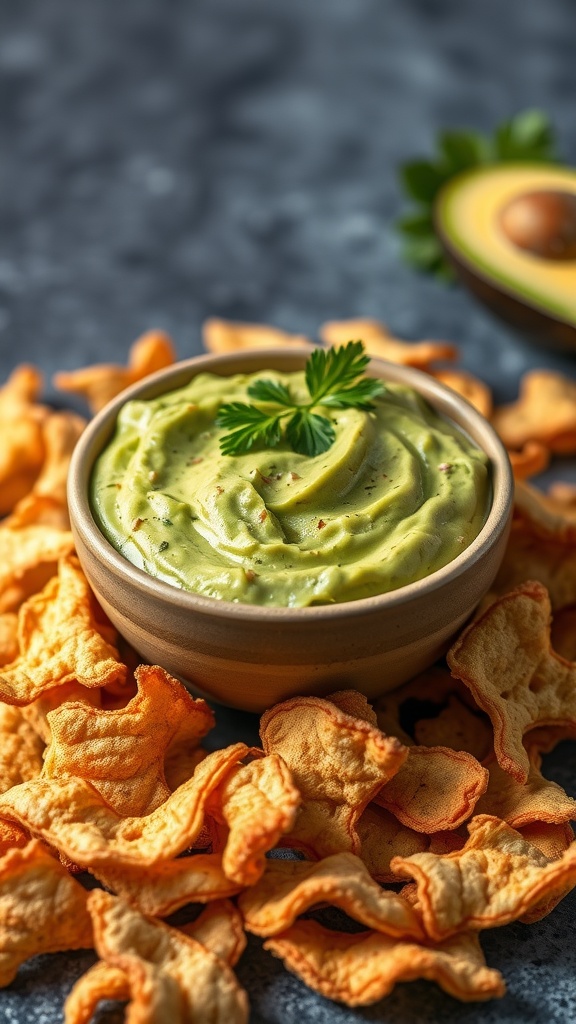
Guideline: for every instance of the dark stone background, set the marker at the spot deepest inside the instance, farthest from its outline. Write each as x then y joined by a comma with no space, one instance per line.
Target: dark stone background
163,160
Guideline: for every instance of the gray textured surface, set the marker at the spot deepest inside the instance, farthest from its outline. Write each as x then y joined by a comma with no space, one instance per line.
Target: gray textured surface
162,161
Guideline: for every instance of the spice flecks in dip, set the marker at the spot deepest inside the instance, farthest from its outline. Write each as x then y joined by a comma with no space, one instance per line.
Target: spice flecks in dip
400,493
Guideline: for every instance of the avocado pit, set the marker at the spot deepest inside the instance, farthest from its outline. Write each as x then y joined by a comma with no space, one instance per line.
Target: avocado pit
542,223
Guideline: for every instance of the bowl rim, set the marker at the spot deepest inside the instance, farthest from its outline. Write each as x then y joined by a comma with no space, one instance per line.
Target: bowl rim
443,399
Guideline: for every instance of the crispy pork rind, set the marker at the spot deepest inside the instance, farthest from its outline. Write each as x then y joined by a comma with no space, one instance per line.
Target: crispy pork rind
563,634
121,752
545,412
545,516
379,342
60,640
495,878
229,336
42,908
8,637
338,764
46,503
530,556
383,837
289,888
506,661
533,458
538,800
259,803
22,448
28,559
361,969
71,816
99,384
161,889
170,976
439,711
21,749
218,928
467,386
435,790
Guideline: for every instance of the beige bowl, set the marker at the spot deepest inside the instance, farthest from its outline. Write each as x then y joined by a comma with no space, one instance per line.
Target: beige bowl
250,657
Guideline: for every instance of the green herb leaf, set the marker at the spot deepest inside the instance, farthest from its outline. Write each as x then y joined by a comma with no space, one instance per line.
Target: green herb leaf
527,137
309,434
271,391
332,378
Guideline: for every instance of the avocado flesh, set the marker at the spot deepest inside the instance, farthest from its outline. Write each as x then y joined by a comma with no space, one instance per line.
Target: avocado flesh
536,294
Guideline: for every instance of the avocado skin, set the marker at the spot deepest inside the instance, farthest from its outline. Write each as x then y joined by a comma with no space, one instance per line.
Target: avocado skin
532,322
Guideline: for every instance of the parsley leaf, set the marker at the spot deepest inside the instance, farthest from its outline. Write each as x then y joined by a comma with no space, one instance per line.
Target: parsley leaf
528,137
333,379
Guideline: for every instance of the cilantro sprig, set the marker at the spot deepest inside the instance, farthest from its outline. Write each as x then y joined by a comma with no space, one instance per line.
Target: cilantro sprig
527,137
333,379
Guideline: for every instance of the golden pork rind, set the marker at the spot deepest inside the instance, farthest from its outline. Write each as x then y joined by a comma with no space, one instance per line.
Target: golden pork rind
506,661
221,336
99,384
458,727
338,764
259,803
42,908
529,556
121,752
361,969
46,502
379,342
289,888
545,411
218,928
545,516
21,749
537,800
28,559
467,386
563,634
161,889
495,878
435,790
8,637
61,641
170,976
71,816
533,458
383,837
22,449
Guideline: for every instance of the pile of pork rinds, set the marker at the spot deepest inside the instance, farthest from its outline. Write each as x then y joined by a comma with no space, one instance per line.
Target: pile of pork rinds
424,819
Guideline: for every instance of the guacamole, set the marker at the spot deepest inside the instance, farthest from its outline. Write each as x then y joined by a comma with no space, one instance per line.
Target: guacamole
399,494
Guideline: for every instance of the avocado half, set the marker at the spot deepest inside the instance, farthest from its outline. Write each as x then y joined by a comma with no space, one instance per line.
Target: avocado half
509,231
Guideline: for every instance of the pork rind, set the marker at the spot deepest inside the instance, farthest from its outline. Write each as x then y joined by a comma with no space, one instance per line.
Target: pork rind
219,929
60,640
530,556
538,800
532,459
545,516
99,384
435,790
28,558
121,752
458,727
545,411
506,661
338,764
161,889
8,637
563,634
169,976
496,878
467,386
361,969
71,816
259,803
379,342
221,336
383,837
21,749
42,908
22,449
288,888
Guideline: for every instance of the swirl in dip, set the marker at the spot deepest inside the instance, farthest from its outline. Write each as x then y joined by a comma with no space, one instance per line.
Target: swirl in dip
400,493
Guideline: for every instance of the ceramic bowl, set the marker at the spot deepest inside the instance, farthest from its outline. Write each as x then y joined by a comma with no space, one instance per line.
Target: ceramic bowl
251,657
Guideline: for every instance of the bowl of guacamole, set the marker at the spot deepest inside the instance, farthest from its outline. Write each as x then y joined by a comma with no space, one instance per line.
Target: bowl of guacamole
272,571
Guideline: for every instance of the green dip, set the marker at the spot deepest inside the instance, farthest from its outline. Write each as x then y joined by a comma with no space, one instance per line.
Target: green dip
400,493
